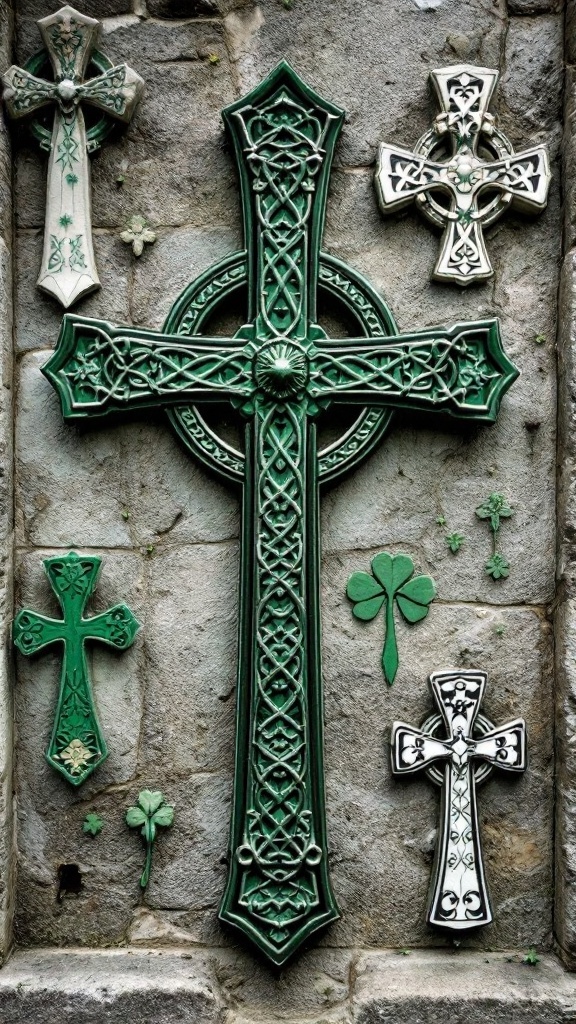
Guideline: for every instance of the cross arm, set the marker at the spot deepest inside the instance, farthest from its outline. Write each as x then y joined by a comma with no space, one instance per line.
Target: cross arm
505,747
462,370
98,368
401,175
116,91
24,93
32,632
413,749
524,176
117,627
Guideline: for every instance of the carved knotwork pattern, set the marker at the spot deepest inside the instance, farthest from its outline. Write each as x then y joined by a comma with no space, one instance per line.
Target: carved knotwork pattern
284,157
279,844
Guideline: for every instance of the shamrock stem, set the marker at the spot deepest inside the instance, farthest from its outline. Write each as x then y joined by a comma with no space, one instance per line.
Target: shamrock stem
146,873
390,652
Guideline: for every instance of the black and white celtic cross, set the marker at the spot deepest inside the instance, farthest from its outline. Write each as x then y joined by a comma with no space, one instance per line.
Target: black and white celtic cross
68,268
458,763
463,173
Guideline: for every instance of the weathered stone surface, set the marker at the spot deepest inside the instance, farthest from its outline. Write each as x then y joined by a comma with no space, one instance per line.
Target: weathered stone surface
132,486
569,159
28,40
7,860
531,86
534,6
430,987
377,71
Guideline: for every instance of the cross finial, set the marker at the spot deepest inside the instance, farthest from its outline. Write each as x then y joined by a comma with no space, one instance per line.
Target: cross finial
68,268
455,187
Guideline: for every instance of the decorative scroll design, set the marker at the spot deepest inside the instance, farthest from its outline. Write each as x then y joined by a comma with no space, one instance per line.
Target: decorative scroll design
458,894
68,268
77,746
477,191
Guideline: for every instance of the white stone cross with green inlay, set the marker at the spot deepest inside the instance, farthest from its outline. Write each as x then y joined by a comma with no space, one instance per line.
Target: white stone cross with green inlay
279,371
68,268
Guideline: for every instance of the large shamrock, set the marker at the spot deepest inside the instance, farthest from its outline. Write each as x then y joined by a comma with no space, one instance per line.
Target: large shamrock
151,811
390,583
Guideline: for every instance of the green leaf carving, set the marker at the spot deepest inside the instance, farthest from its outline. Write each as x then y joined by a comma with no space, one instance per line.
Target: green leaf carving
414,598
92,824
390,583
152,811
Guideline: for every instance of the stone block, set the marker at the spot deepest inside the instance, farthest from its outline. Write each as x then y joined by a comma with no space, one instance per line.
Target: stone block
376,70
431,987
127,486
530,7
531,87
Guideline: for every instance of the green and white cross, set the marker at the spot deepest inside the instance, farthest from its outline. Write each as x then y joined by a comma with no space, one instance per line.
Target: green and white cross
68,267
279,371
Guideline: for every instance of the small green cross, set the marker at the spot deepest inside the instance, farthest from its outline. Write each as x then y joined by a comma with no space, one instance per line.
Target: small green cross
280,371
77,745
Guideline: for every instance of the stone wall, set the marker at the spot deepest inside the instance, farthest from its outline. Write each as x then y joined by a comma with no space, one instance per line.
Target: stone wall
168,531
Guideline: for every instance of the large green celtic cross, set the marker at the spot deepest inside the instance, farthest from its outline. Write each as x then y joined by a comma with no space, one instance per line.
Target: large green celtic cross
279,371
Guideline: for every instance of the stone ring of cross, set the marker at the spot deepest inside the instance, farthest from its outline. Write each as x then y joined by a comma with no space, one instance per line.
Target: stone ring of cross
67,94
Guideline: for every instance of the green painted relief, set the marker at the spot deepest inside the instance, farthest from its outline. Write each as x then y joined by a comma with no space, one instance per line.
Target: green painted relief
279,371
392,581
151,813
494,509
77,746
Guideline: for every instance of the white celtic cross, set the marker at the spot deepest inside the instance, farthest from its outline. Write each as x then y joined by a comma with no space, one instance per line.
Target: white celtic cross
453,183
458,894
68,267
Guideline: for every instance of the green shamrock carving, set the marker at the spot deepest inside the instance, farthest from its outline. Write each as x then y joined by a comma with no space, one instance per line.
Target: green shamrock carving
92,824
390,583
152,811
495,508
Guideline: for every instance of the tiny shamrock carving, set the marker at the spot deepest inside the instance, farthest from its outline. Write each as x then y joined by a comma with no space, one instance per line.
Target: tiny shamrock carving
136,233
454,542
92,824
152,811
390,583
495,508
497,567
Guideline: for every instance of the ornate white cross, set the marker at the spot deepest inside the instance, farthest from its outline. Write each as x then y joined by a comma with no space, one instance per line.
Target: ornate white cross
453,183
458,894
68,267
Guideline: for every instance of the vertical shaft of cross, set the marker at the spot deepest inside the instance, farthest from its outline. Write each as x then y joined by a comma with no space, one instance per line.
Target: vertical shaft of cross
278,888
68,263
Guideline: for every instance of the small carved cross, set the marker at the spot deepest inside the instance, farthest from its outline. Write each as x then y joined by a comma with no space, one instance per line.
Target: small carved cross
458,893
464,192
77,745
68,267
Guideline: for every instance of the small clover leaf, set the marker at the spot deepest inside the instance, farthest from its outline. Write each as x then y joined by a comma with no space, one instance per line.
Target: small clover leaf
497,567
390,582
494,508
152,811
454,542
92,824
